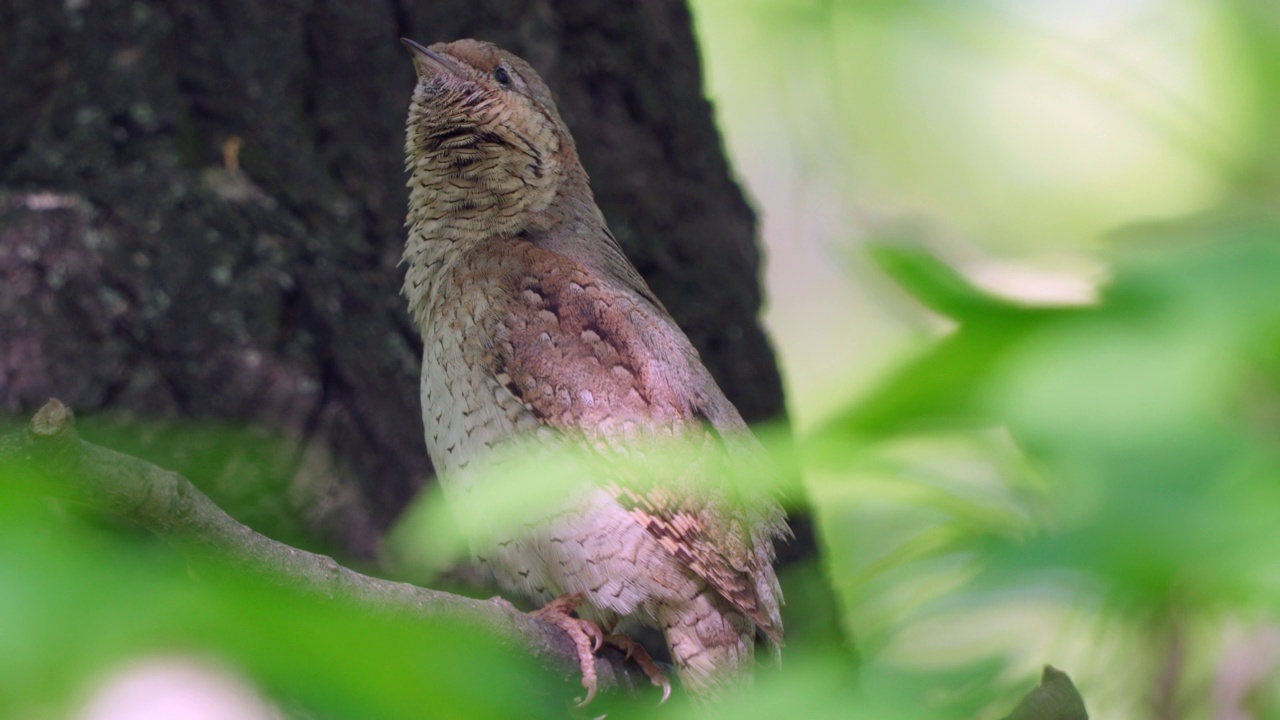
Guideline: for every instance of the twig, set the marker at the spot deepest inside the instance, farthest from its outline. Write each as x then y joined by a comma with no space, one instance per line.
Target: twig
168,505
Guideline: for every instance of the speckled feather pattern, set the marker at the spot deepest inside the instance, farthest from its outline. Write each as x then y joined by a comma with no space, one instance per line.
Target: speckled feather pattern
536,328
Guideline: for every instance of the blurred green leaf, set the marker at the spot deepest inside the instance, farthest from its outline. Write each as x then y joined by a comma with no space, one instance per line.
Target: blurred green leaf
937,285
941,387
1149,422
79,599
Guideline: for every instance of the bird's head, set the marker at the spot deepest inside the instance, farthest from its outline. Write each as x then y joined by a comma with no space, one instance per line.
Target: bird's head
485,146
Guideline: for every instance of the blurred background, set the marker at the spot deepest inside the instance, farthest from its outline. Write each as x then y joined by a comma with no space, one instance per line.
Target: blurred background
1023,143
1021,276
1013,135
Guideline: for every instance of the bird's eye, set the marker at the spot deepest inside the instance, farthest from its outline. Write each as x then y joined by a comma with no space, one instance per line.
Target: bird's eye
502,76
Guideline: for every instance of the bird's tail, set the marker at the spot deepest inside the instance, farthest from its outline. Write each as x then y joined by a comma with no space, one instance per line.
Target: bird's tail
711,644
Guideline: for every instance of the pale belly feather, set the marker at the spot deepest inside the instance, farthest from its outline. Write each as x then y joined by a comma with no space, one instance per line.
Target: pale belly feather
587,543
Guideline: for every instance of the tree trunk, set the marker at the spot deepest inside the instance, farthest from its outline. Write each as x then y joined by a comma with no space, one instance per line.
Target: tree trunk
201,211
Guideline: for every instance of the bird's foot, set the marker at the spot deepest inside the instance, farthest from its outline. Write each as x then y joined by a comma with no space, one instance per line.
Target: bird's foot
586,636
635,651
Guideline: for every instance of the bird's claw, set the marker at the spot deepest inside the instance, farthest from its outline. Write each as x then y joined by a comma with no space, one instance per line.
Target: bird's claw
584,634
587,639
635,651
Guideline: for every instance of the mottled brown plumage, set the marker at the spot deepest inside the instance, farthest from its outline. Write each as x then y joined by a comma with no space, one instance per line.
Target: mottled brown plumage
537,328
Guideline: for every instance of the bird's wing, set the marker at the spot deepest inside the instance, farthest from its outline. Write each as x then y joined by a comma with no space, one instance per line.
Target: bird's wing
612,372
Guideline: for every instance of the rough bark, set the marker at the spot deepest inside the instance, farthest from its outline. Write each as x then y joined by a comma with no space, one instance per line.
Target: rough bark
201,210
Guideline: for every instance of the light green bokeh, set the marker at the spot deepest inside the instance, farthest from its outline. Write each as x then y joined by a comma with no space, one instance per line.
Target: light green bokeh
1018,124
1024,129
1020,129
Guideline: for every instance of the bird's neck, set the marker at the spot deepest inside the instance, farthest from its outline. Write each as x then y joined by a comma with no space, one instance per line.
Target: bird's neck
445,226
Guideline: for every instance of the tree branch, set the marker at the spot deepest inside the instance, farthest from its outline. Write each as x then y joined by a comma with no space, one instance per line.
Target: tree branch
168,505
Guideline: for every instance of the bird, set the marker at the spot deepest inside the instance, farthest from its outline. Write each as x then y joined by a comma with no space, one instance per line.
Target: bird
539,333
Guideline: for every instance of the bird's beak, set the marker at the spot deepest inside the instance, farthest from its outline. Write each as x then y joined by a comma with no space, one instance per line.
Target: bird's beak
429,63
